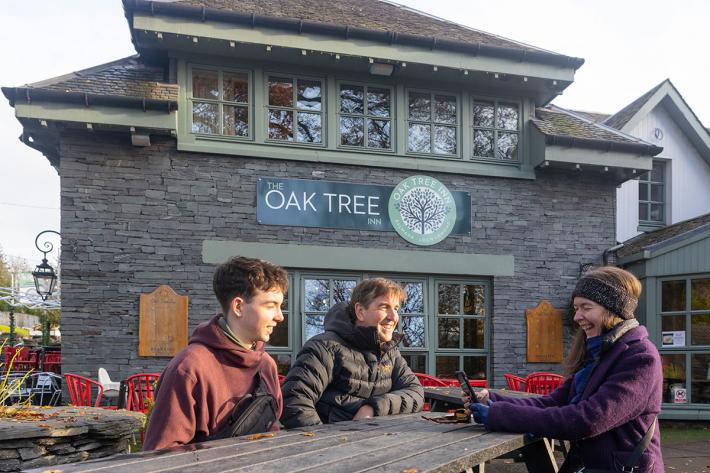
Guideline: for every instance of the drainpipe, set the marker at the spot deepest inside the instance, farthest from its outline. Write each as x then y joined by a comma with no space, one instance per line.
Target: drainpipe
605,255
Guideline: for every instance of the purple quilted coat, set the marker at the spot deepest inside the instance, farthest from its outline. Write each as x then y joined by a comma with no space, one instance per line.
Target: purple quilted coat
619,403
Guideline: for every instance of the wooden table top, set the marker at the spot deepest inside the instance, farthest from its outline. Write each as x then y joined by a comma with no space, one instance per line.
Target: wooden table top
452,394
381,444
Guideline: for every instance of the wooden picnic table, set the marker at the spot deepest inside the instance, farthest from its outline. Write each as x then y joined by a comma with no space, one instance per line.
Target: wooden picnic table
441,399
404,443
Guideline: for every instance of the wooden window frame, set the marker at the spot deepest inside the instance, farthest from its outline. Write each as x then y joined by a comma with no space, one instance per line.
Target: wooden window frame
519,130
190,99
366,117
407,121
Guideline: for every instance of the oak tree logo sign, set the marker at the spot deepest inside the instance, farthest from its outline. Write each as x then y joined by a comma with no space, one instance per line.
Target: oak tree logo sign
422,210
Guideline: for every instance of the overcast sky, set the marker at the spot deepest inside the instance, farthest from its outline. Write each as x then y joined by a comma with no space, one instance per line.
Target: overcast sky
629,47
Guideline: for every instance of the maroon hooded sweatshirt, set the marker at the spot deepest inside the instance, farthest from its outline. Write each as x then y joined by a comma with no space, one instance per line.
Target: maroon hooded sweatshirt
202,384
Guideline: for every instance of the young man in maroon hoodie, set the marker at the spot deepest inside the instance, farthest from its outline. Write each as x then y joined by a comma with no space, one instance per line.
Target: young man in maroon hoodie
225,357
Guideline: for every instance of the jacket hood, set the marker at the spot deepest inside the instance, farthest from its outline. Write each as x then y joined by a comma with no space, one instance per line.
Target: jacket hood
363,338
211,335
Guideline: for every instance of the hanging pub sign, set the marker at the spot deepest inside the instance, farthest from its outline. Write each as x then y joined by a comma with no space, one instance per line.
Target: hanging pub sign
420,208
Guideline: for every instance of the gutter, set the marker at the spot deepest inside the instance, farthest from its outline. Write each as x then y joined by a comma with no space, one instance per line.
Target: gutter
30,94
342,31
646,150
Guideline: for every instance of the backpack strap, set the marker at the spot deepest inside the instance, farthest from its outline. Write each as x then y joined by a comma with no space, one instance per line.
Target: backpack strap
641,447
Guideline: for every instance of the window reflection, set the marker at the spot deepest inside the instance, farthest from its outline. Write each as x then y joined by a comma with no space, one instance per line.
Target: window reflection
449,333
226,114
205,118
317,295
449,298
314,325
413,328
672,296
496,128
365,107
304,111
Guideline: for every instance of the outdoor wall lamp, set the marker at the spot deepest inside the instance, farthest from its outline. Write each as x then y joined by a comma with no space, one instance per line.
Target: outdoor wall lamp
44,275
381,69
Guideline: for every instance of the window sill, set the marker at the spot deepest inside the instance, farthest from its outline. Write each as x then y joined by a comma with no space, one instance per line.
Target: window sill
649,226
219,145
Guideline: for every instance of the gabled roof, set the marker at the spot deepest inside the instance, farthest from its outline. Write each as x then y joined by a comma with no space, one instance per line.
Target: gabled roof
667,95
124,82
622,117
567,128
665,236
596,117
376,20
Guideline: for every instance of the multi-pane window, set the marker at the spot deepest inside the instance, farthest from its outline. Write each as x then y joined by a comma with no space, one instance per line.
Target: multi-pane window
412,323
685,329
278,345
432,123
295,109
461,326
319,295
496,130
220,102
365,116
652,194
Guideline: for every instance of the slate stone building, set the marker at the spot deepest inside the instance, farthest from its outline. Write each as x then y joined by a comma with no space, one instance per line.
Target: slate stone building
304,136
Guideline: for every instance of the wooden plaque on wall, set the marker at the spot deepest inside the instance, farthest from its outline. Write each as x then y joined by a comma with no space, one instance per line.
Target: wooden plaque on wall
162,329
544,333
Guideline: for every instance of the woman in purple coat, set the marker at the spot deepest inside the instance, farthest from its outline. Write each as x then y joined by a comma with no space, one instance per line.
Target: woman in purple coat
609,403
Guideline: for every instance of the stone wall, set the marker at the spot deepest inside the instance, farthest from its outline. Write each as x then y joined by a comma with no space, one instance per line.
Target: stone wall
43,437
135,218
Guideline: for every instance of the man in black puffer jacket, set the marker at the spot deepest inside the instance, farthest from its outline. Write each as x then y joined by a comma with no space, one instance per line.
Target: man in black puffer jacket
353,370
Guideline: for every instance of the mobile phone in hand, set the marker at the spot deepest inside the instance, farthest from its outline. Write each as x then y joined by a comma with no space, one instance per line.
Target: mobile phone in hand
466,386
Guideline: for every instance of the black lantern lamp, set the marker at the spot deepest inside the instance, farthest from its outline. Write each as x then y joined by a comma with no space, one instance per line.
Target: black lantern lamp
44,275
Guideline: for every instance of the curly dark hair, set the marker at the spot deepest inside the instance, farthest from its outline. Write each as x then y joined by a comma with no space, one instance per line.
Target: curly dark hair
243,277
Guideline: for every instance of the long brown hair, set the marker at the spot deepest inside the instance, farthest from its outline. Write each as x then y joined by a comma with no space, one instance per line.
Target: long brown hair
614,276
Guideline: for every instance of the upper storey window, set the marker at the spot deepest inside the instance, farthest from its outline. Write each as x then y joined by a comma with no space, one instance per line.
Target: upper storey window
496,130
295,110
432,123
652,195
220,102
365,116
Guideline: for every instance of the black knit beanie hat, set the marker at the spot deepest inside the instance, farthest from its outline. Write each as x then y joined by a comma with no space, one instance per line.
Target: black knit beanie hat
612,296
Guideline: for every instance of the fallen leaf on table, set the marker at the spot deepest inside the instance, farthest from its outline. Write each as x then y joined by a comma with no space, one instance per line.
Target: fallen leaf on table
260,436
410,470
308,434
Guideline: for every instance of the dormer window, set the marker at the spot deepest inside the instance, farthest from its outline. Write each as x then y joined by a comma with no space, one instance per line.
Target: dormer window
496,130
220,102
295,110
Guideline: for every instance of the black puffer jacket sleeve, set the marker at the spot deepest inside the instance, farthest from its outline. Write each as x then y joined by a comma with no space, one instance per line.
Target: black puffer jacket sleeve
305,383
406,396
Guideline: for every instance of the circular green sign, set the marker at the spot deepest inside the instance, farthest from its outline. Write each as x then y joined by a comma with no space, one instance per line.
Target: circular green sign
422,210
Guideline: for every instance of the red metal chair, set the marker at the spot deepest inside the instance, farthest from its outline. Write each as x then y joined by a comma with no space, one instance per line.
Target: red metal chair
430,381
515,383
542,383
475,383
25,359
53,361
80,389
139,388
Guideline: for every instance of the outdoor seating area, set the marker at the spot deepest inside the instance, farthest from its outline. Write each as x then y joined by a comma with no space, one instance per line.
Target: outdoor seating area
24,359
428,380
537,383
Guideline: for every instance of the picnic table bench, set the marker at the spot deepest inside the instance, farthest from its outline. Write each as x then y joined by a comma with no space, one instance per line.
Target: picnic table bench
381,444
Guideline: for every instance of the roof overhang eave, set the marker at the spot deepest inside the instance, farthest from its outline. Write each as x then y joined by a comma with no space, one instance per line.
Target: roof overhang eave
29,95
342,31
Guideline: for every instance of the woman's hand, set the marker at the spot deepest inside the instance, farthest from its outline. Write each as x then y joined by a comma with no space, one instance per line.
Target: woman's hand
481,396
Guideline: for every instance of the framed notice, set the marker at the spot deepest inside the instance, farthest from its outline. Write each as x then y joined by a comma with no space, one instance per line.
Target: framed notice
673,338
544,324
162,329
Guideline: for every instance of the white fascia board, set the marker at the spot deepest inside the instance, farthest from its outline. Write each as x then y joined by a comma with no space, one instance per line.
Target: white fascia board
362,48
